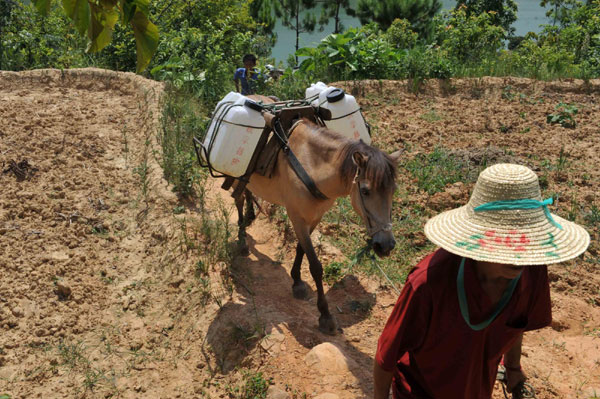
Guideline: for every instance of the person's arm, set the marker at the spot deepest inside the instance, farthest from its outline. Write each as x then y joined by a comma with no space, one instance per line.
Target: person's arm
512,364
236,80
382,381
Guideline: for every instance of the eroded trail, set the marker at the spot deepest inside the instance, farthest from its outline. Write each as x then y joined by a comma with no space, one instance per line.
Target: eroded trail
110,288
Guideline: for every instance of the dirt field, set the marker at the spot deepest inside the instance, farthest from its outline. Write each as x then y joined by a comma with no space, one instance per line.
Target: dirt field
100,294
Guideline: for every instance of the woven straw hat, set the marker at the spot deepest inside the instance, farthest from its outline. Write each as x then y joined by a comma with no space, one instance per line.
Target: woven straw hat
506,221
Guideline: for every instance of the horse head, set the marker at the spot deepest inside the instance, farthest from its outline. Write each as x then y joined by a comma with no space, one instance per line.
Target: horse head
372,191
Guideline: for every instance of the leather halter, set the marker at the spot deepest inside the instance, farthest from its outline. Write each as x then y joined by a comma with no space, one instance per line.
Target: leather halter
371,228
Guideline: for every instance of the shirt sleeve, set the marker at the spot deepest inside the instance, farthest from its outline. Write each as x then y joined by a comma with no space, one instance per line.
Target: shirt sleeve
540,307
406,327
237,74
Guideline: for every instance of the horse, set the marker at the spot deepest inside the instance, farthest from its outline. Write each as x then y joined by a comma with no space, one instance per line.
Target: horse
339,167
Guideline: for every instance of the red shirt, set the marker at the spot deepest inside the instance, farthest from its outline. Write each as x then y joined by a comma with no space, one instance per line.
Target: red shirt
429,347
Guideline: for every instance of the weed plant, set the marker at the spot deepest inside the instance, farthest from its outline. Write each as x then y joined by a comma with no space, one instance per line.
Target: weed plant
182,119
435,170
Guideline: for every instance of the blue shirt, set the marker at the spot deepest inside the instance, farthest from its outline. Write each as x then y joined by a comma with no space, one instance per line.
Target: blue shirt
247,86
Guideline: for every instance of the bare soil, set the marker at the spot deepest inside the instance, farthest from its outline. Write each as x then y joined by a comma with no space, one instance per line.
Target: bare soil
99,290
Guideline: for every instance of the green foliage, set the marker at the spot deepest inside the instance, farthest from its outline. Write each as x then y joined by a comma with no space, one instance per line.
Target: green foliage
28,40
502,13
333,272
400,34
564,116
353,54
418,12
469,39
180,121
435,170
255,386
290,12
262,12
331,9
97,19
202,43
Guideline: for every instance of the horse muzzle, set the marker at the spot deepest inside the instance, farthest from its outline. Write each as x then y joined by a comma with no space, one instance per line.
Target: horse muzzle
383,243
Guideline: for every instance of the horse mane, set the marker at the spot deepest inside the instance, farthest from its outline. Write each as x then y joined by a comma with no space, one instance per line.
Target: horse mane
381,169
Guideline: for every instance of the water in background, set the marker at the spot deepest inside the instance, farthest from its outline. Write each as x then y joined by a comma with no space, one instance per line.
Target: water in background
529,18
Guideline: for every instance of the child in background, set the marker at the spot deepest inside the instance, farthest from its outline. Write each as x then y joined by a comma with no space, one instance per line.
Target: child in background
247,75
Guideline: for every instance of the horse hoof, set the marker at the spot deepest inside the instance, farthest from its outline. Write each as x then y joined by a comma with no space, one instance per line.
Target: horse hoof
300,290
328,325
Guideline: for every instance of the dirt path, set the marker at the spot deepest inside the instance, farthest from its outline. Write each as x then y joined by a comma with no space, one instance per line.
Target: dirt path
104,291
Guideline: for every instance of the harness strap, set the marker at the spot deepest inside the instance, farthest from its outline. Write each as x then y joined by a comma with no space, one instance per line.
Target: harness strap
295,163
370,229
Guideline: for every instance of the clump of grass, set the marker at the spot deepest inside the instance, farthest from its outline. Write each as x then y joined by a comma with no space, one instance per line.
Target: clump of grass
564,115
435,170
333,272
254,386
593,216
181,120
431,116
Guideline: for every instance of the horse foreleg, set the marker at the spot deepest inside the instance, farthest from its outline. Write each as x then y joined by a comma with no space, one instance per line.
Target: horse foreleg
327,322
243,245
299,288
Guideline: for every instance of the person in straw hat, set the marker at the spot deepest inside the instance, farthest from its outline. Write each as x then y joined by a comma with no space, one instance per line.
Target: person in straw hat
465,307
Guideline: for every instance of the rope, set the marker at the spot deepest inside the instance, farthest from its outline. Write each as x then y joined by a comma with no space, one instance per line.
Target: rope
385,275
366,251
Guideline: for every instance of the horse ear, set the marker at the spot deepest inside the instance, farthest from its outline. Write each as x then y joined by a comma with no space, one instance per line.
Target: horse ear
396,156
359,159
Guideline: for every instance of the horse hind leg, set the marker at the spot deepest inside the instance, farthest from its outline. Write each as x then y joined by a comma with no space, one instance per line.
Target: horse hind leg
249,215
299,288
242,243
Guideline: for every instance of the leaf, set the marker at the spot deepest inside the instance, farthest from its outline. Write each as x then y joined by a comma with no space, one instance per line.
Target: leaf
146,39
304,52
101,27
79,12
43,6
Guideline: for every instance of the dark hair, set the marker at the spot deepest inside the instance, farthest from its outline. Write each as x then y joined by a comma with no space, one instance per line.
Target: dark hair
249,57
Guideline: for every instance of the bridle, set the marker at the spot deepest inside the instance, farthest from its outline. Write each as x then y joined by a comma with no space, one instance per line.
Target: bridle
372,228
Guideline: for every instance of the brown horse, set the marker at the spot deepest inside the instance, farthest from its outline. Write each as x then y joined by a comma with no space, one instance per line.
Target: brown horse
339,167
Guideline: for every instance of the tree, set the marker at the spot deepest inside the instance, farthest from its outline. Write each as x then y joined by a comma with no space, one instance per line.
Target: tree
97,19
6,7
503,12
418,12
331,9
262,12
290,10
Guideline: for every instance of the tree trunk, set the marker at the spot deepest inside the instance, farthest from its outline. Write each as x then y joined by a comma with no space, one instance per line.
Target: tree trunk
297,29
337,18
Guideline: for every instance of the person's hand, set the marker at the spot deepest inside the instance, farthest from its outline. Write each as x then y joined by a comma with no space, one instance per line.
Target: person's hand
515,379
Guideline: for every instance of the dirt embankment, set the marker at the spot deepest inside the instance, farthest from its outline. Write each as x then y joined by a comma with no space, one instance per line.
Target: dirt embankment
100,290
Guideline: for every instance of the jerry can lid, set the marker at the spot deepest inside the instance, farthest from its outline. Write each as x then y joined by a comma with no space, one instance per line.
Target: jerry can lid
335,95
253,105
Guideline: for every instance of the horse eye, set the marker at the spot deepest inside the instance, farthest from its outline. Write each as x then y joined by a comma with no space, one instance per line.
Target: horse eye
364,191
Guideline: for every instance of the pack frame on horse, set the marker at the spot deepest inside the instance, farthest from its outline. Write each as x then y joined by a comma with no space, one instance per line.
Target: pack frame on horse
308,168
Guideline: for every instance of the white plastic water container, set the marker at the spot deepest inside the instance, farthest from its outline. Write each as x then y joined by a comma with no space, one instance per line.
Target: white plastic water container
314,90
232,135
346,117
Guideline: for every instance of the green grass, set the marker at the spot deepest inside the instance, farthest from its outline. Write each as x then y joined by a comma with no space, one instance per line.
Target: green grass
435,170
351,238
183,118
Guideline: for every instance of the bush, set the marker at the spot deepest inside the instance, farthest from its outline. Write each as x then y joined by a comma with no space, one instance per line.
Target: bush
400,35
469,39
